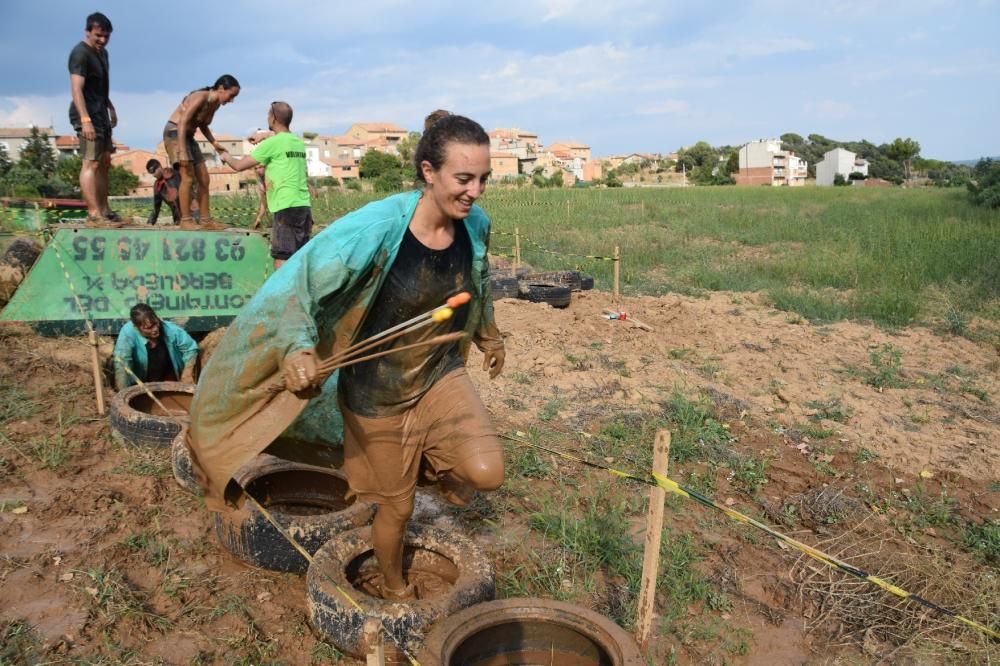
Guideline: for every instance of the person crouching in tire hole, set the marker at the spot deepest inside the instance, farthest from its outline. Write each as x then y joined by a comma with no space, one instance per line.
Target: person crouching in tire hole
153,350
379,266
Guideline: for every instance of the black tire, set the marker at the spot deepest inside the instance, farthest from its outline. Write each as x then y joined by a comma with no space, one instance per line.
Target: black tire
515,630
345,559
586,282
504,287
180,461
137,420
22,253
571,279
307,501
555,295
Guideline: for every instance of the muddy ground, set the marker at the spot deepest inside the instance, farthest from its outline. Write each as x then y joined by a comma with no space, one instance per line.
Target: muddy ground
881,446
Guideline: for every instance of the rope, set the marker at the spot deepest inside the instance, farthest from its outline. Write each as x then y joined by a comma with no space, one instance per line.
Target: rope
660,481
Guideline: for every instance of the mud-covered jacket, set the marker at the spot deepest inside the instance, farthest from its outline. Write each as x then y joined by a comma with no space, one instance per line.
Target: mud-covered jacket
130,350
318,298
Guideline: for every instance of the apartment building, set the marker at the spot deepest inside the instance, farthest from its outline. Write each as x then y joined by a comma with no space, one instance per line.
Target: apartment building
763,162
839,161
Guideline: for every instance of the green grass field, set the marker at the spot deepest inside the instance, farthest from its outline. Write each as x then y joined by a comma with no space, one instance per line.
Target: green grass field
892,256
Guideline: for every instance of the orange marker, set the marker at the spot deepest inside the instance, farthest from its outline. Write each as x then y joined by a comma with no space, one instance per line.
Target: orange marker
459,299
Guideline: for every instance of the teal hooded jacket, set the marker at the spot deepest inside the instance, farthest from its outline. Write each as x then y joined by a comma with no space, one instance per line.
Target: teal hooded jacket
317,299
130,348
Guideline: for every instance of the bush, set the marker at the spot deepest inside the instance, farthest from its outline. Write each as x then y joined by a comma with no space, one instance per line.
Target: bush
352,184
984,185
839,180
390,181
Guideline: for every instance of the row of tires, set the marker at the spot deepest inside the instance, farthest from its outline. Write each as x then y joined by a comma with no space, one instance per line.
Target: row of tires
452,620
554,288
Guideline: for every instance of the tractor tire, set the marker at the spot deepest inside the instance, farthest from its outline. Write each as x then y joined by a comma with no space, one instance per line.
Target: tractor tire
504,287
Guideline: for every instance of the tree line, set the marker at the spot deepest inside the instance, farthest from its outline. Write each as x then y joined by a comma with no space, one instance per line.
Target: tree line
41,172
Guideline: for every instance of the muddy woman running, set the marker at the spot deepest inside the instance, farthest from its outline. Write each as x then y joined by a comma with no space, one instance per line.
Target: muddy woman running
405,415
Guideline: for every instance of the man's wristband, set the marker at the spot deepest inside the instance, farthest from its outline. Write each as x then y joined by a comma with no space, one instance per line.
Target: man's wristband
85,119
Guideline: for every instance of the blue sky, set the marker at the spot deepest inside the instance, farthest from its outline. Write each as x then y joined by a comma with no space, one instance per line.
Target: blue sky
619,75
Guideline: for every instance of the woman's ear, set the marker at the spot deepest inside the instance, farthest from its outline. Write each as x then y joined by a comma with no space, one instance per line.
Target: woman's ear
428,172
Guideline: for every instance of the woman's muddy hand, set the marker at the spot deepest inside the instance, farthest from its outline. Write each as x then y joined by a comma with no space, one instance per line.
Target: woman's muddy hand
300,370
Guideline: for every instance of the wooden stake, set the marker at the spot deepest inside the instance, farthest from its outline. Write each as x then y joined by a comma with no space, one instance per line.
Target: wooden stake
618,263
98,382
377,658
654,529
517,250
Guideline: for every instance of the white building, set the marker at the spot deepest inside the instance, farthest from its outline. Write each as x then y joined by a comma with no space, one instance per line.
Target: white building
839,161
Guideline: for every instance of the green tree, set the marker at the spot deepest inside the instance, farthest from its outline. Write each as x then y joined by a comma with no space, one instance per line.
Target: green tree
407,146
903,151
309,136
733,162
612,180
38,154
375,163
697,155
121,181
984,185
5,162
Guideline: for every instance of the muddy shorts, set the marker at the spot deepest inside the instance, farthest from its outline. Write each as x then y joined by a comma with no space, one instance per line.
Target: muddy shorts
290,231
98,148
448,426
172,145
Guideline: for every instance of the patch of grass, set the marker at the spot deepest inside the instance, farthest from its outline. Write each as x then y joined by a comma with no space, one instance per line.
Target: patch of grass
615,365
115,599
863,456
155,551
15,404
983,540
143,462
927,510
815,432
18,643
886,368
525,461
678,354
522,378
831,410
551,409
324,653
53,450
695,434
748,473
971,389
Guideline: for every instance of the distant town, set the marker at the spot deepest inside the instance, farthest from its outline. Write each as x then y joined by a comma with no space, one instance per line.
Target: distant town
518,157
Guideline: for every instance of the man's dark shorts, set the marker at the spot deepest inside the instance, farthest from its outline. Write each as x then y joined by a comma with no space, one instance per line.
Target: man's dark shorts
291,230
95,149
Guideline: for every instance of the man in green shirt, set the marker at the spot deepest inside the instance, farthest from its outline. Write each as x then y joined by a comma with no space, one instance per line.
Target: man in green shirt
284,158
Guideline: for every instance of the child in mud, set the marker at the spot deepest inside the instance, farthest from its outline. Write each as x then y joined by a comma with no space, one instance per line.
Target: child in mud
154,350
381,265
195,112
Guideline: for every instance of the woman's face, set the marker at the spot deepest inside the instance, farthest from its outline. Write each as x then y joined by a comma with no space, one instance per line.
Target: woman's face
227,96
149,328
460,180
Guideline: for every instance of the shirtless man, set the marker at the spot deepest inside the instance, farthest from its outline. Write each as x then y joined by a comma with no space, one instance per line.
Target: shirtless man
195,112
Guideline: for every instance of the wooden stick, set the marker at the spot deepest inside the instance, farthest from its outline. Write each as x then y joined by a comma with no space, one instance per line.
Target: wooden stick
517,251
628,317
377,658
654,530
618,264
98,381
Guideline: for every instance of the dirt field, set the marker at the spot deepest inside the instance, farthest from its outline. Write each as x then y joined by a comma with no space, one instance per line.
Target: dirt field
881,447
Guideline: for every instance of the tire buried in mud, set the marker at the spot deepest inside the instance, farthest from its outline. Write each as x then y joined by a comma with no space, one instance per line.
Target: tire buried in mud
555,295
571,279
449,571
307,501
529,631
180,462
586,282
504,287
137,420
